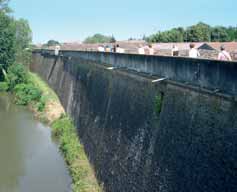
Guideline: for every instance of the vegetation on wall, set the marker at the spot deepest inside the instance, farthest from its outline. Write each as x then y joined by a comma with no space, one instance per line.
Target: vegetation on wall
158,103
196,33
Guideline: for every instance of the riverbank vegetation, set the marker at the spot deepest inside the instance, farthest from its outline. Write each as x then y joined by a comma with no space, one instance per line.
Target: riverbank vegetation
30,90
15,57
79,166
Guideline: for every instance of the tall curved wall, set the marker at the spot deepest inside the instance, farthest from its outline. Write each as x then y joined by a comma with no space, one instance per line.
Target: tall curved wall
142,136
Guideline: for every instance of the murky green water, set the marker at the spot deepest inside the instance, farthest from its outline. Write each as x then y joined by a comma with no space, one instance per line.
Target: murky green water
29,160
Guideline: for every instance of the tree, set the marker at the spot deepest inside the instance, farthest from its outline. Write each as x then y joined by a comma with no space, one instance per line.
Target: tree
7,40
199,33
219,34
4,6
99,38
15,37
23,41
23,34
112,40
232,33
52,43
173,35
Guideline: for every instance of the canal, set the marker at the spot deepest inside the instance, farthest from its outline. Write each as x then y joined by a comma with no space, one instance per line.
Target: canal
29,160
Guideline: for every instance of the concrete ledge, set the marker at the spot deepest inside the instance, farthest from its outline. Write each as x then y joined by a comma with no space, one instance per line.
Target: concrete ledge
209,74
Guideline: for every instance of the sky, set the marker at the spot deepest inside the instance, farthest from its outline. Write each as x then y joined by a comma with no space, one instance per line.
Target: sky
74,20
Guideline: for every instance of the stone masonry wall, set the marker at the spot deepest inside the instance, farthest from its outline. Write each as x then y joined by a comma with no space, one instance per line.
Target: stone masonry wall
190,145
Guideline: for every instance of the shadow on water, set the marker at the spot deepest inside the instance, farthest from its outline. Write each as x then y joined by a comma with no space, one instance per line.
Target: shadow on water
29,160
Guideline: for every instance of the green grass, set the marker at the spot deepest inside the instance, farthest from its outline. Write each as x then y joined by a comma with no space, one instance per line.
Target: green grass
3,87
79,166
26,93
48,93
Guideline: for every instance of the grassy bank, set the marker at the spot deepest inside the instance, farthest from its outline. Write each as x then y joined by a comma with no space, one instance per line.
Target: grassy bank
49,104
64,131
80,169
30,90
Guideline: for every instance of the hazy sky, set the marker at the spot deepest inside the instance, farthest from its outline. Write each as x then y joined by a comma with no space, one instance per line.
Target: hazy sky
73,20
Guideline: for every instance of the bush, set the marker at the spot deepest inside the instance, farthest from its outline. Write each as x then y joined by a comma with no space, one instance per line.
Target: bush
41,104
25,93
3,86
7,40
16,74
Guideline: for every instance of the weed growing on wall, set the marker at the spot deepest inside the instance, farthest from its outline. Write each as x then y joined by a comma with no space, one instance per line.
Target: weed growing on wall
158,104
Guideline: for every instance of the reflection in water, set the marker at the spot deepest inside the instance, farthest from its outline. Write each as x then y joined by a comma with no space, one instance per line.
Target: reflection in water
29,161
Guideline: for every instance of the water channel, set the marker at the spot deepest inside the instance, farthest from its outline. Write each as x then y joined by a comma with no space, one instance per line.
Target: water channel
29,160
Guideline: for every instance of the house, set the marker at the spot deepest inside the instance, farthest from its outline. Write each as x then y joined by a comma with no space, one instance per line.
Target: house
215,46
210,50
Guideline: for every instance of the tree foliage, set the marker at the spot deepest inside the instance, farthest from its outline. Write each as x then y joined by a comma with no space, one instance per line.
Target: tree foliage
174,35
112,40
7,40
23,41
23,33
200,32
4,6
15,39
52,43
16,74
220,34
99,38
